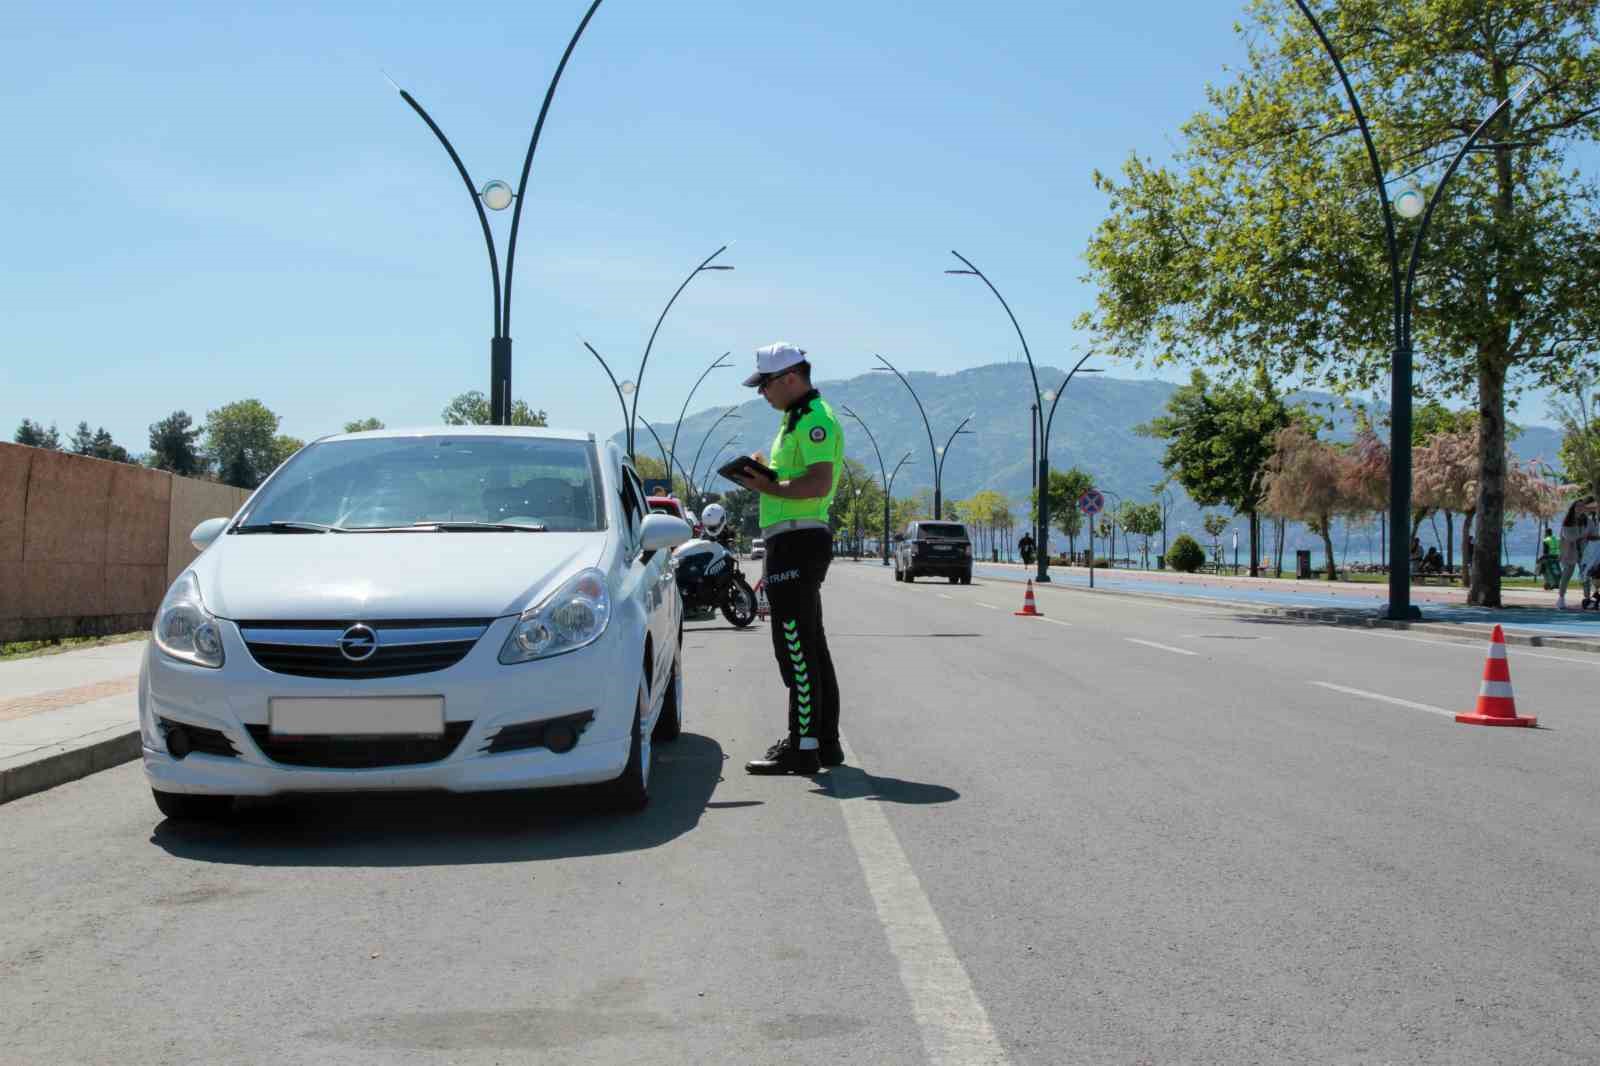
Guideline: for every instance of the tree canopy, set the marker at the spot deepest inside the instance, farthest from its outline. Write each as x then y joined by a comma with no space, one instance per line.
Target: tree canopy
173,445
472,409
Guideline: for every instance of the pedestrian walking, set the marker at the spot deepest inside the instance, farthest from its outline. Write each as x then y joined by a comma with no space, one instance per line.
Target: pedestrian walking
1577,530
806,457
1025,549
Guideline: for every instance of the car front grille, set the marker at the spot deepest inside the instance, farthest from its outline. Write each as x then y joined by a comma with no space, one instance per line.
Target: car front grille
358,753
332,649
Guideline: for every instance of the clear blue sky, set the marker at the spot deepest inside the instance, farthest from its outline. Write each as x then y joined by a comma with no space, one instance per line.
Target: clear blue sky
222,202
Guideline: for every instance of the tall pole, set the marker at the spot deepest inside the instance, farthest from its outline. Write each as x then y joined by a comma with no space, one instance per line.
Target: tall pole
1400,607
1046,424
938,470
718,362
888,499
500,340
1043,482
729,413
666,457
705,264
933,452
883,475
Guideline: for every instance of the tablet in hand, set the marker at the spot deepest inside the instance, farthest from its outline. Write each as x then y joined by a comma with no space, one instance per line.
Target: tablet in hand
741,466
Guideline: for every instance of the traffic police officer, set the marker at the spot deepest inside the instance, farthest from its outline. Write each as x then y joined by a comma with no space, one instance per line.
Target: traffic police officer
806,456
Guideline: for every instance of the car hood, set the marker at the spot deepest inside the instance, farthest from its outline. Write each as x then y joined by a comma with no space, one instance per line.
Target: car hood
371,576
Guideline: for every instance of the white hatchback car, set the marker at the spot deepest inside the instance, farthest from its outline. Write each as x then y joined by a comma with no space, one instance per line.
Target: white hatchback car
464,608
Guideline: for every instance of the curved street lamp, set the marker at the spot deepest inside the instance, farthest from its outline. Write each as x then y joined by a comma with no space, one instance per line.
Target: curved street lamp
1042,479
624,390
715,364
882,473
1408,204
933,450
729,413
497,195
705,265
942,453
716,455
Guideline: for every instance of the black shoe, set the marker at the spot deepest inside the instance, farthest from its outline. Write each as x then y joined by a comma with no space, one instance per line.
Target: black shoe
783,759
830,753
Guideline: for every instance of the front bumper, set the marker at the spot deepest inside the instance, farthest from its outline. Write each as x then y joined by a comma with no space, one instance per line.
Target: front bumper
478,690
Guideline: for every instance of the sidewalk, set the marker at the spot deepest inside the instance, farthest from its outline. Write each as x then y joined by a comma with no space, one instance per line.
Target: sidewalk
66,716
1529,614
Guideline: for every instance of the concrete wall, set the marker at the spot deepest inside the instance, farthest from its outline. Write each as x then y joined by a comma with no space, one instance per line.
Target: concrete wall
89,546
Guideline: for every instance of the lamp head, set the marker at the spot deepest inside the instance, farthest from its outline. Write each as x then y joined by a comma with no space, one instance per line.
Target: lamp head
497,195
1408,203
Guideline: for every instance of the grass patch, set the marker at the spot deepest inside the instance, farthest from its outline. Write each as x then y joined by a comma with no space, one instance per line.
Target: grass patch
33,649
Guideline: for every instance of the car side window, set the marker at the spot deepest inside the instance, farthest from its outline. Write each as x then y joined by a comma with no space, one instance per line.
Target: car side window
632,504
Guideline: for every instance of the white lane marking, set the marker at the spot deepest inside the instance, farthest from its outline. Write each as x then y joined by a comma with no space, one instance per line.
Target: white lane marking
991,606
955,1028
1475,646
1384,699
946,596
1054,621
1162,647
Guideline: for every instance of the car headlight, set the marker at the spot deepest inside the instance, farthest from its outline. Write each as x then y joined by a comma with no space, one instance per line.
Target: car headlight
184,629
572,618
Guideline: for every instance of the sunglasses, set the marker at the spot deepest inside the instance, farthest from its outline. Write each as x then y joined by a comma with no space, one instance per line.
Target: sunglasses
761,386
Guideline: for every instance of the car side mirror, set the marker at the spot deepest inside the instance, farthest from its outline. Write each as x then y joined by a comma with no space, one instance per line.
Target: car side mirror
203,534
663,531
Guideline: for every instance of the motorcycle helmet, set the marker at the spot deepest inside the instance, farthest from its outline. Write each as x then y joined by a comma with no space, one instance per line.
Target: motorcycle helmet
713,518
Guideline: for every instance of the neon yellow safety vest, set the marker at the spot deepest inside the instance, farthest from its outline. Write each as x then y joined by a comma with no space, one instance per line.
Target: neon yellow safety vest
809,434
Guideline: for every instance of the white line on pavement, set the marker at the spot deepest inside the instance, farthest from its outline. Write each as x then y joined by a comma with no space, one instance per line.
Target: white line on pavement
1054,621
1163,647
991,606
1385,699
955,1027
946,596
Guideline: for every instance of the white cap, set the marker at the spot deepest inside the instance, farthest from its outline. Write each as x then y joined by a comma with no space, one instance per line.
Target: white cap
774,359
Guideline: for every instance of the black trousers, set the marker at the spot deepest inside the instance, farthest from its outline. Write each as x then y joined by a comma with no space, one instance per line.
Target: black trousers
797,563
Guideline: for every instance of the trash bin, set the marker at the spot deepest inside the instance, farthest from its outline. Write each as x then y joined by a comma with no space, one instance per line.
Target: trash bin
1161,562
1302,564
994,555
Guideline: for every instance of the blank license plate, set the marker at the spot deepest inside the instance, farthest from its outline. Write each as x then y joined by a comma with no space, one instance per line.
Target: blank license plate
411,716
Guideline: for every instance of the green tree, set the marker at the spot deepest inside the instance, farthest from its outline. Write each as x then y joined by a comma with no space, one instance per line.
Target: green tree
1062,500
1219,439
98,444
1215,525
83,440
34,435
1261,242
472,409
1140,520
362,425
173,445
241,441
282,448
1580,447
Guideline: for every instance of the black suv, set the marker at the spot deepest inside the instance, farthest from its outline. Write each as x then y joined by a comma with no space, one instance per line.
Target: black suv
942,549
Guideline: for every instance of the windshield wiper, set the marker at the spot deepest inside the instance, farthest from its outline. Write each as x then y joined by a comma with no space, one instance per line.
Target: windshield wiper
453,527
285,527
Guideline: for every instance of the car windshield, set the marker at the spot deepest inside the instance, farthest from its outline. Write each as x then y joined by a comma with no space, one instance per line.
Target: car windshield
397,482
929,530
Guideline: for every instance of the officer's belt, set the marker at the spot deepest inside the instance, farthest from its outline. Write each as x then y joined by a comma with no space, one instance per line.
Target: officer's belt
791,525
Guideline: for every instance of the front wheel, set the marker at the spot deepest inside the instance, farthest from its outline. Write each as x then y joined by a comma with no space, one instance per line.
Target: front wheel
739,604
183,807
631,790
669,723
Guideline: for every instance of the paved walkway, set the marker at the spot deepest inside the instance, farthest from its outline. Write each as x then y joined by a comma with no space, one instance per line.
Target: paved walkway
1527,610
61,714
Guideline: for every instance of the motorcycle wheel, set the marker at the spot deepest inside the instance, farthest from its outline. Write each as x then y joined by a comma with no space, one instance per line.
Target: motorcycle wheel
739,605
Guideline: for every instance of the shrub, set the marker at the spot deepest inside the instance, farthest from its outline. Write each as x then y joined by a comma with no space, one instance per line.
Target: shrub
1186,554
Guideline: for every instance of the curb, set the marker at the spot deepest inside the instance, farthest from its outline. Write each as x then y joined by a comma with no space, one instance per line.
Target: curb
1353,619
63,763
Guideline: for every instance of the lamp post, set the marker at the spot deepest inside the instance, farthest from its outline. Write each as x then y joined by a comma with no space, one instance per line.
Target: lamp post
883,475
933,451
715,456
623,391
888,496
1409,203
729,413
1042,480
497,196
1046,423
718,362
938,459
705,265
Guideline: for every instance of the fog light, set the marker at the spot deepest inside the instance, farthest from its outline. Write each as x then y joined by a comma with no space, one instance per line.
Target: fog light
178,744
560,737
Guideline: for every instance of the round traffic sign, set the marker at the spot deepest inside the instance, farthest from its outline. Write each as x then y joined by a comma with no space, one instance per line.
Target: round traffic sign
1092,502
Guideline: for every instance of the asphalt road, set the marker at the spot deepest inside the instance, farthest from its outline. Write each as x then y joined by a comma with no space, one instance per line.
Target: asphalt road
1131,832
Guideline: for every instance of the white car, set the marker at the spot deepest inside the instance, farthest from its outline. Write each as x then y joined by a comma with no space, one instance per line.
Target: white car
462,608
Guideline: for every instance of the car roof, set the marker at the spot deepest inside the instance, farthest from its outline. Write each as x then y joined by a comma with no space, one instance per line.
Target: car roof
537,432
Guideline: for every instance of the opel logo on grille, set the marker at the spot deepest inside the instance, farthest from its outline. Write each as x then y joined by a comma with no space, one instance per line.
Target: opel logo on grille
358,643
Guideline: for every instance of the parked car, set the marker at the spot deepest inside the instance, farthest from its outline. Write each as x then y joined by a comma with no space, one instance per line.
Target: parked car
939,549
461,608
758,548
667,505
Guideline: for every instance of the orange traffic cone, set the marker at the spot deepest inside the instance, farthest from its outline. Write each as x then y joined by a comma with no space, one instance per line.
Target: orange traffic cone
1028,609
1496,704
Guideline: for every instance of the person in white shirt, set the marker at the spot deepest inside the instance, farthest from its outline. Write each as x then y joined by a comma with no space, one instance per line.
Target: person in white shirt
1577,530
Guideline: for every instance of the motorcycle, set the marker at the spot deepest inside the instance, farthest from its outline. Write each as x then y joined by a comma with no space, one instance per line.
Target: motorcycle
709,579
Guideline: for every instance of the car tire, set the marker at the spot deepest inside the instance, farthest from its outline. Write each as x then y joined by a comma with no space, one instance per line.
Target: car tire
955,579
669,723
966,578
184,807
910,577
631,790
